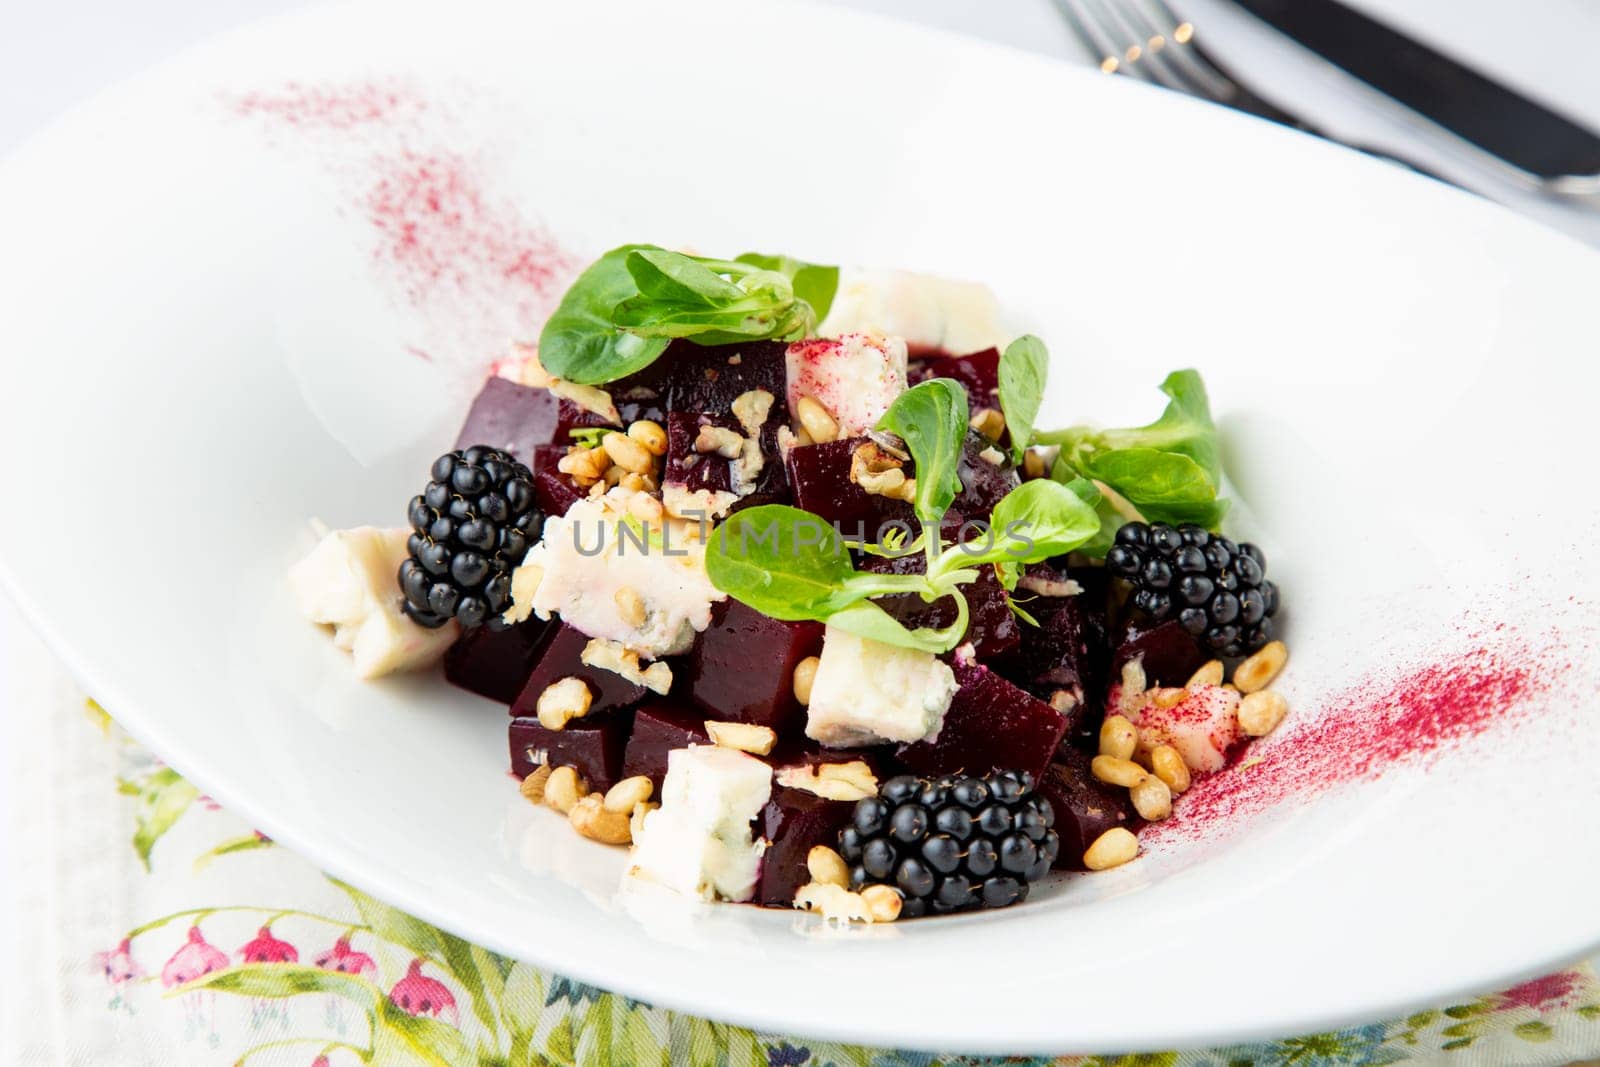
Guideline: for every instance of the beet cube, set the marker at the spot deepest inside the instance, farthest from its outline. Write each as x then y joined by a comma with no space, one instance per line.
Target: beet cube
701,379
512,417
561,659
819,478
982,483
496,663
991,725
1169,653
594,746
695,470
1065,654
742,667
658,728
795,821
979,372
995,632
1085,807
553,491
638,396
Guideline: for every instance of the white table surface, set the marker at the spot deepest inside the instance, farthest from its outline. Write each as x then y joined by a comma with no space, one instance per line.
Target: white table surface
56,55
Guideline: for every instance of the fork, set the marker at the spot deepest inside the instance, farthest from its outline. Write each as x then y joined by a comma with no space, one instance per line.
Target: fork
1147,40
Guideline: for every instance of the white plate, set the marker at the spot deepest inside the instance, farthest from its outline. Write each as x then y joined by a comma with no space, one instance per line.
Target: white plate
223,313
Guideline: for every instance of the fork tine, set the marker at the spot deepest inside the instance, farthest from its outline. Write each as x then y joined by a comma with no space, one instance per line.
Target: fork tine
1143,51
1092,33
1217,85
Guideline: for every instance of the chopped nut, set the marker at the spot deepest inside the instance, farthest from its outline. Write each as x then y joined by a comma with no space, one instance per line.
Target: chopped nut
883,902
628,454
752,409
614,475
585,466
613,656
992,456
744,736
1114,771
1209,674
1261,712
1033,464
1258,671
628,794
816,420
1064,700
833,902
650,436
718,439
591,819
533,786
563,701
524,584
805,673
1118,738
1111,849
827,867
788,440
1131,696
630,605
877,472
1037,583
1152,798
832,781
1169,697
564,788
988,422
1167,764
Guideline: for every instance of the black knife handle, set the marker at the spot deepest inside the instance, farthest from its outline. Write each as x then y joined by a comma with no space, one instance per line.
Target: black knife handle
1484,112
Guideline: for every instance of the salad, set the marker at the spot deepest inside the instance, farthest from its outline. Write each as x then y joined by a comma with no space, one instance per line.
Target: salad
788,591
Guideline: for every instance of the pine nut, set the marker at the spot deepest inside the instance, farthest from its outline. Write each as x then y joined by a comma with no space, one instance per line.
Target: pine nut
805,673
1032,464
816,420
564,788
630,606
1258,671
591,819
614,475
1111,849
650,436
1261,712
1210,674
1114,771
1118,738
628,794
827,867
628,454
1152,799
988,422
743,736
1169,697
533,786
1168,765
883,903
563,701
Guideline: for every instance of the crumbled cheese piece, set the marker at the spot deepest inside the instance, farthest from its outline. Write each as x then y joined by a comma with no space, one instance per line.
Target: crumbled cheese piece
348,582
992,456
593,551
623,662
866,692
700,842
1038,583
929,312
855,377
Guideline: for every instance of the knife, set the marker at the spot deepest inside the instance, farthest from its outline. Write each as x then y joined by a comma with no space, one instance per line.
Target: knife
1541,143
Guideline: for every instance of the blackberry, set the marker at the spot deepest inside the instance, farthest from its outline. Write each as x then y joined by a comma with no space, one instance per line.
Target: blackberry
952,843
470,529
1216,589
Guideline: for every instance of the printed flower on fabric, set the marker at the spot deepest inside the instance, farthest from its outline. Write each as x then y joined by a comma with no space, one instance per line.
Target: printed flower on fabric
195,959
1359,1047
118,965
343,959
417,994
268,949
570,992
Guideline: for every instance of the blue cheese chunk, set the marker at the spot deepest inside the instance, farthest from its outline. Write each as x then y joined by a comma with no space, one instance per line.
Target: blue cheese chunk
699,842
867,692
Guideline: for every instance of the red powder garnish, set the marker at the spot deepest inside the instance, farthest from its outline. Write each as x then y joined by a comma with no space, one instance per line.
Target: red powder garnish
330,108
1357,734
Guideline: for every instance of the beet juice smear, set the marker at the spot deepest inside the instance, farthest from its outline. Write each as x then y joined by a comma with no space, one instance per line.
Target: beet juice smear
467,259
1355,734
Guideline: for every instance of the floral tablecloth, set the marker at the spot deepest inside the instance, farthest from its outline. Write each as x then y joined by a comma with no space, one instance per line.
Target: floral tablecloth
148,926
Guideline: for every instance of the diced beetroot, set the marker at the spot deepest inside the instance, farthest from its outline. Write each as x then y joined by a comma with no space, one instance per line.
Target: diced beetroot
795,821
594,746
1065,654
991,725
561,659
742,667
694,470
496,663
1169,654
638,396
1085,807
993,630
978,372
512,417
819,478
700,379
553,491
659,727
982,483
